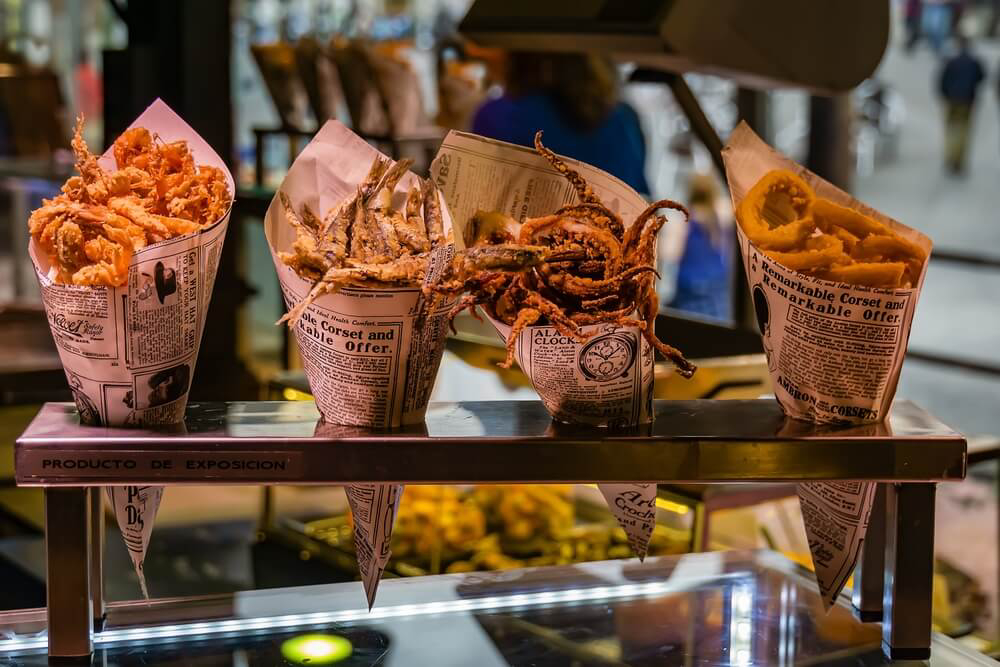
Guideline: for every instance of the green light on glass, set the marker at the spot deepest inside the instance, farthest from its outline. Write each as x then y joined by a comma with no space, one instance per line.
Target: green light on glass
316,649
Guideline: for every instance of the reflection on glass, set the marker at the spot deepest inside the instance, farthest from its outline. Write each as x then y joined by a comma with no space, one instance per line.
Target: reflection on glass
741,625
316,649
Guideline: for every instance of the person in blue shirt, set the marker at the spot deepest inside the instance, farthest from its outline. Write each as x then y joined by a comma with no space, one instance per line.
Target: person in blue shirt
574,99
958,85
704,276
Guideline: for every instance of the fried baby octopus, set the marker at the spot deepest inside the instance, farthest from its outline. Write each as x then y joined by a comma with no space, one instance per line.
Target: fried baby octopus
91,231
595,270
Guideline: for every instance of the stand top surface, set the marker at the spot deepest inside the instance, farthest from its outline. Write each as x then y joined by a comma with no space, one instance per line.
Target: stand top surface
286,442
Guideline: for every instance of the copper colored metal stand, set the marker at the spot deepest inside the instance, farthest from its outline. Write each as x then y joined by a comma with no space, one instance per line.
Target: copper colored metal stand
695,442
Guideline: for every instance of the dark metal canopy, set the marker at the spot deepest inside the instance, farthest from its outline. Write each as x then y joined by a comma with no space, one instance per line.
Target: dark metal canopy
826,47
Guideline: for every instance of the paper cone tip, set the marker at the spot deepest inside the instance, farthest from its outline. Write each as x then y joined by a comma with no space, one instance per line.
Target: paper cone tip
634,507
373,509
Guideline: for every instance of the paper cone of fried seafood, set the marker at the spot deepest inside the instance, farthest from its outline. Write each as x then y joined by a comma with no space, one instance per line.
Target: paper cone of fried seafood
370,342
126,259
580,329
579,324
834,285
354,238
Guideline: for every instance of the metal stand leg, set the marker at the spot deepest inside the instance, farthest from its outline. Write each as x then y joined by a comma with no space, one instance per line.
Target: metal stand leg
700,527
97,556
909,571
67,564
869,580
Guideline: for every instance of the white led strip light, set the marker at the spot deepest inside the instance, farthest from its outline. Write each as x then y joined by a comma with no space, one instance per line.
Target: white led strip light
195,631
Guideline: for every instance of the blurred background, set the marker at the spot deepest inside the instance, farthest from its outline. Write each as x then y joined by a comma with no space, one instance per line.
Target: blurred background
919,140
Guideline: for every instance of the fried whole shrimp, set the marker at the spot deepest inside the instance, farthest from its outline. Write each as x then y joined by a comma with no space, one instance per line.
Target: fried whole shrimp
93,228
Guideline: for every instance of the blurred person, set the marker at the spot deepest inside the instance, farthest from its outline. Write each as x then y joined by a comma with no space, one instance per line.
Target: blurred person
994,18
703,277
958,8
958,84
912,12
936,22
574,99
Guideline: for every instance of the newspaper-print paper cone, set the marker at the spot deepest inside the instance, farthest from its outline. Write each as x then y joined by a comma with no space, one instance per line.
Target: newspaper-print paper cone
836,517
366,361
373,508
605,381
370,355
634,506
135,510
129,352
834,352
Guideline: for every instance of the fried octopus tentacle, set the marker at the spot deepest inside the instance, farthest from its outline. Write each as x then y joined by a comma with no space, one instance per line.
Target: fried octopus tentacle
582,187
633,233
605,317
525,318
597,214
578,286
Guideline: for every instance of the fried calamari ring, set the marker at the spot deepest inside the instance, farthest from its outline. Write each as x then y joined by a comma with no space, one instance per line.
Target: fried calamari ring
782,216
869,274
828,215
888,246
776,213
892,249
849,240
820,252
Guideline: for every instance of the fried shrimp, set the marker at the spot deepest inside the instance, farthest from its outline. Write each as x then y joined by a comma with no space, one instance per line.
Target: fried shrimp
93,228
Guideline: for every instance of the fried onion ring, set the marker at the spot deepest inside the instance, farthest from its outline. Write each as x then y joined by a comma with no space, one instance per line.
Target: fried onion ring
776,213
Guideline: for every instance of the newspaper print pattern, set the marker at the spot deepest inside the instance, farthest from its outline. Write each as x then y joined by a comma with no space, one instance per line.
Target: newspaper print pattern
634,505
834,354
371,355
135,511
373,509
367,361
607,381
836,516
129,352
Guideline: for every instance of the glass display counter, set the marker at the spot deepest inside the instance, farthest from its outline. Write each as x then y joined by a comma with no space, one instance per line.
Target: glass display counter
511,442
711,609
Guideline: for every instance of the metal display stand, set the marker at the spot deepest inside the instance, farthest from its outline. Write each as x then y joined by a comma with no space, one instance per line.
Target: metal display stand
272,442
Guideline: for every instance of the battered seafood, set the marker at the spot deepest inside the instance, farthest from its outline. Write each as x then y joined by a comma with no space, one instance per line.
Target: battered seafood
91,230
596,270
784,218
363,242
